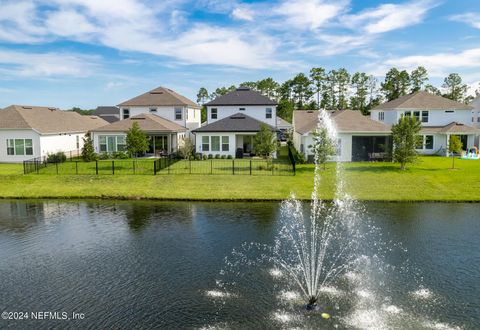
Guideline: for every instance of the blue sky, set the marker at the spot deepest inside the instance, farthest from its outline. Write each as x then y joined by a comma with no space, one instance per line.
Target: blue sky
86,53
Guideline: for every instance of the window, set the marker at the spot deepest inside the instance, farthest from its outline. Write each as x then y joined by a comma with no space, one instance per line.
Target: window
241,109
429,142
126,113
416,114
112,143
10,147
153,110
19,147
449,111
381,116
407,113
213,113
268,113
225,143
178,113
78,141
419,144
478,117
215,143
424,116
425,142
205,145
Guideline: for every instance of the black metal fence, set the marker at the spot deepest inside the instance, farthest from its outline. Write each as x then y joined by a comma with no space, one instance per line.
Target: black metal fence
162,166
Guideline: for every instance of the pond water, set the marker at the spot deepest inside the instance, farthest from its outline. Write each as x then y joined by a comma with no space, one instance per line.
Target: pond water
155,264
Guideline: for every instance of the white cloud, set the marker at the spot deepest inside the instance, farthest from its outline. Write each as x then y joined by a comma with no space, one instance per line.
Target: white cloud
438,65
47,64
309,14
472,19
69,23
388,17
243,13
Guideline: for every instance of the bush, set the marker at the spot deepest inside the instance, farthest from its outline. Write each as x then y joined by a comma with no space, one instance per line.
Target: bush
229,157
58,157
210,156
205,157
120,155
198,157
104,156
223,156
217,156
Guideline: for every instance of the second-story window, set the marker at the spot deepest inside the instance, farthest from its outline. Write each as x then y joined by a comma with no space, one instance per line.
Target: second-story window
381,116
268,113
153,110
241,109
416,114
126,113
424,116
213,113
178,113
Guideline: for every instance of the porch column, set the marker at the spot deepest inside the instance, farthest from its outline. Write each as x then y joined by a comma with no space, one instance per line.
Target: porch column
170,149
448,144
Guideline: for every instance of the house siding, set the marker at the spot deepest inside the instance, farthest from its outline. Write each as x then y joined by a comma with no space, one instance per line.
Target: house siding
257,112
191,117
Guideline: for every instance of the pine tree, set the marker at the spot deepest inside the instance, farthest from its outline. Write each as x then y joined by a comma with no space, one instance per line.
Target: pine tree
405,139
88,151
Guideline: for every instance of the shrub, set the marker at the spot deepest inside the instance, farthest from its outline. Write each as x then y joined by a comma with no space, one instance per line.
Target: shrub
223,156
120,155
104,155
217,156
205,157
229,157
210,156
198,157
58,157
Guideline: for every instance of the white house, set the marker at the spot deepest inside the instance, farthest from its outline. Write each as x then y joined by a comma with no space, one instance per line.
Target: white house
475,104
440,118
232,122
28,132
164,103
164,136
359,137
245,101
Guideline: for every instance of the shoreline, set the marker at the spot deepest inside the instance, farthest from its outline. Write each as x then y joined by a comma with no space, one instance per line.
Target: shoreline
229,200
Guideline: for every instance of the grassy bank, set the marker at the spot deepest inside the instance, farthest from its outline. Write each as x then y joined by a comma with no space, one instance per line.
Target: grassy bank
428,180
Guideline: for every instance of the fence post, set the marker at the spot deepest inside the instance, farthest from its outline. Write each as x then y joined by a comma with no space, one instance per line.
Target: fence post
76,167
24,170
113,167
56,166
154,167
37,167
96,167
190,164
168,165
233,166
250,166
134,172
211,166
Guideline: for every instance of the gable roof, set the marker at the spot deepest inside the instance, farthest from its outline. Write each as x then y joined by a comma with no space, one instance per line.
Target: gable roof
238,122
160,96
147,122
346,121
452,128
46,120
476,103
242,96
422,100
282,123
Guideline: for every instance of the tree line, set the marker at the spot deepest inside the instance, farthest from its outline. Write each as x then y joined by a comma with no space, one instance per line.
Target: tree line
338,90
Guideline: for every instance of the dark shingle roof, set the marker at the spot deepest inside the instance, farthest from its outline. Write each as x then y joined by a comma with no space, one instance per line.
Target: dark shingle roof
107,110
346,121
422,100
160,96
236,123
147,122
242,96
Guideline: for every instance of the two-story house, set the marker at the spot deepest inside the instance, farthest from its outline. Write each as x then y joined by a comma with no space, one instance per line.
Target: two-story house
232,122
440,118
164,103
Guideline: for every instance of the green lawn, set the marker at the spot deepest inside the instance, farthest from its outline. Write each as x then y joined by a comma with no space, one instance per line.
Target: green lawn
429,179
